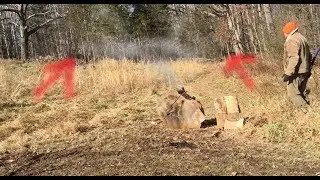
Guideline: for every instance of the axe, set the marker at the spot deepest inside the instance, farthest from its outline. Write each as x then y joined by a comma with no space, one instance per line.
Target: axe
314,58
312,64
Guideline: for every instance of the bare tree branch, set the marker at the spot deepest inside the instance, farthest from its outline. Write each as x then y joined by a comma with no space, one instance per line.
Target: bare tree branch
9,6
219,10
2,19
10,10
36,28
25,9
176,9
213,10
38,14
213,14
11,22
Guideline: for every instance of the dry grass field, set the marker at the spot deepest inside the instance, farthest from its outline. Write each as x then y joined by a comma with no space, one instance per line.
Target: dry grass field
111,127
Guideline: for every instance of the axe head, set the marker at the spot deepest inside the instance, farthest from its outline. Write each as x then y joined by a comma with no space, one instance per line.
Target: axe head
182,90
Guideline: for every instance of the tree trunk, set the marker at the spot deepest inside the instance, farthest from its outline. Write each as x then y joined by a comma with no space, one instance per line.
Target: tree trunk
67,45
105,53
237,46
70,42
48,48
312,31
83,50
60,44
251,32
93,54
31,47
232,28
15,44
228,50
24,42
5,41
269,20
262,29
255,31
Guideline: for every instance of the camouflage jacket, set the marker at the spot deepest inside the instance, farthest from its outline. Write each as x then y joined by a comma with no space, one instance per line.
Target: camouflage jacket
297,55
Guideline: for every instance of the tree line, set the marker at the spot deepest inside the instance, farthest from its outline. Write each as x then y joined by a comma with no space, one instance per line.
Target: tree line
151,31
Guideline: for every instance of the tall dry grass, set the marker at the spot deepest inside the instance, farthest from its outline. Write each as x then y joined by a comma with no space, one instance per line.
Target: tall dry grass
114,91
107,77
103,90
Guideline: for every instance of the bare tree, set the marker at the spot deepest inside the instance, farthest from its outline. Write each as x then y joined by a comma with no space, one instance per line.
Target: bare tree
269,20
229,12
21,10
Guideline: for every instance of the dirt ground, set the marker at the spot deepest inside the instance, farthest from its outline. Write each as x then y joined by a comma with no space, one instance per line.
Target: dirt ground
136,142
147,149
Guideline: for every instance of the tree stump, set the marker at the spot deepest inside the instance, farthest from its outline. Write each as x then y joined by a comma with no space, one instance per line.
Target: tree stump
228,113
180,111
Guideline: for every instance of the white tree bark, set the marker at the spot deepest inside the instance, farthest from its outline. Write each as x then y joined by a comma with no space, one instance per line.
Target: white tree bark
232,26
262,29
251,36
254,25
5,38
269,20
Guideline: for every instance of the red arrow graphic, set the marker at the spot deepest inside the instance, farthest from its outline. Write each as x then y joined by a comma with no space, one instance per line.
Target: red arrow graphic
64,69
234,63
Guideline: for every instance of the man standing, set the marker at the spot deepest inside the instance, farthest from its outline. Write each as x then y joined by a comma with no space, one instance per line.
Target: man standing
297,59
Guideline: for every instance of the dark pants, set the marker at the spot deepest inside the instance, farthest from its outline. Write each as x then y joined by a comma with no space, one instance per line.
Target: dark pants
296,89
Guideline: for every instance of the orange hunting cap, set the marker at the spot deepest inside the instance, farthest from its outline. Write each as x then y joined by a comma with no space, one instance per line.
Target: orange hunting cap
289,27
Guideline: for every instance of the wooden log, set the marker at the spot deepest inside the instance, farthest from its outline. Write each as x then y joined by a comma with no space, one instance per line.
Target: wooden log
234,124
228,114
221,118
220,106
221,112
231,104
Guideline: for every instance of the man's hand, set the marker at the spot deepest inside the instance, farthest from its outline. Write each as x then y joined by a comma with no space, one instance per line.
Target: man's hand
286,78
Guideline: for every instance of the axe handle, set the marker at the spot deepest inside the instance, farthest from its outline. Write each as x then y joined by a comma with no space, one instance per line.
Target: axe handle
316,54
314,58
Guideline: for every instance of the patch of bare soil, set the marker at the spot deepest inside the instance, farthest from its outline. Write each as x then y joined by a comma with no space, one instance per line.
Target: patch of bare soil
148,148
